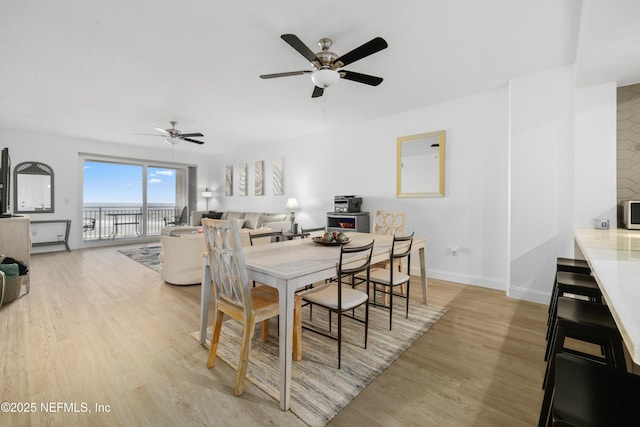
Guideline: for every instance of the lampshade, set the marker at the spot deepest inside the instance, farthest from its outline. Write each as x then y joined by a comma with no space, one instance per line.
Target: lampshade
324,77
206,193
292,204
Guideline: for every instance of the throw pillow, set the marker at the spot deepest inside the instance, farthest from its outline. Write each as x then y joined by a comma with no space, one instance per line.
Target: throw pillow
234,215
213,215
251,220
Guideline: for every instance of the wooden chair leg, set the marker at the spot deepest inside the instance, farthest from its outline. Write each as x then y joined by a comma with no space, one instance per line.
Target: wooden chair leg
243,363
265,330
215,338
297,329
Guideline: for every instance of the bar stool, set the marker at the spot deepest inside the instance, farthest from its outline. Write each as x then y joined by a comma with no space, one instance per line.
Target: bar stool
589,394
569,265
573,265
571,283
588,322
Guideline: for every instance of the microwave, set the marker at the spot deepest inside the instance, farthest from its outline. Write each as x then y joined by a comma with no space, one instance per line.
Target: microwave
631,214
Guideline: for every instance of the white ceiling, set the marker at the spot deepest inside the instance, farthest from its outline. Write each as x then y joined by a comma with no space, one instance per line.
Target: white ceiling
106,70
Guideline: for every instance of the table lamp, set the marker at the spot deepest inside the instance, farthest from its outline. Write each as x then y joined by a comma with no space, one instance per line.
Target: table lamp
292,205
207,195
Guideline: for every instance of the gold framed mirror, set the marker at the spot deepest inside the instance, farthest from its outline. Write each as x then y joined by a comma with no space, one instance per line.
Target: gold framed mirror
420,165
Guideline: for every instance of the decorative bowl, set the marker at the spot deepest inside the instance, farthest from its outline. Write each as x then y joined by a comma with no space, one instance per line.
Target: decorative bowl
319,241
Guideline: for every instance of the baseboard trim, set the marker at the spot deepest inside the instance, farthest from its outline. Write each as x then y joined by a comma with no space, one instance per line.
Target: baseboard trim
525,294
515,292
466,279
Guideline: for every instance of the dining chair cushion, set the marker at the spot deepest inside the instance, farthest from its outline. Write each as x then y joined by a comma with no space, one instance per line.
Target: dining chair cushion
381,275
328,297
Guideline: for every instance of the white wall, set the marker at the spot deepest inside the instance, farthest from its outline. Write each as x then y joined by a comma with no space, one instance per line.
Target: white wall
513,191
361,160
595,155
541,180
61,153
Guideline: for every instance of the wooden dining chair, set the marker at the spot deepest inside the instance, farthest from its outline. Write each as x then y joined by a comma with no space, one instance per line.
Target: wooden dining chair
388,223
386,280
233,296
341,298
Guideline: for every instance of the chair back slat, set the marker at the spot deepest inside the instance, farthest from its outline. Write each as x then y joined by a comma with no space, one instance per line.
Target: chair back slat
315,231
401,246
226,263
266,237
357,259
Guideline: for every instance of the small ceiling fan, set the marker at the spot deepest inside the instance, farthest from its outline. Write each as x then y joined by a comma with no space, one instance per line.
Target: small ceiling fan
173,135
327,65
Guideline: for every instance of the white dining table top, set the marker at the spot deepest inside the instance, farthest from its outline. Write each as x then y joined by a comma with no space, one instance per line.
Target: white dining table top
301,257
614,258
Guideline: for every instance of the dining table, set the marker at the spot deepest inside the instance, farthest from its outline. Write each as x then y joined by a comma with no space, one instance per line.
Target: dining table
294,264
614,258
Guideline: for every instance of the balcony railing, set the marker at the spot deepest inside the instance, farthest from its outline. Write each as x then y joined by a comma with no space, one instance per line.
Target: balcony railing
115,222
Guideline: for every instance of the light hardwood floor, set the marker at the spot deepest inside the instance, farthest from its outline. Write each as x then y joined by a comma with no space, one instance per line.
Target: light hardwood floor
100,329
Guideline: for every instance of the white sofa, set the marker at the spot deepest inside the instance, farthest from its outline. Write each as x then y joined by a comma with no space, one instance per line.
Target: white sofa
252,220
182,249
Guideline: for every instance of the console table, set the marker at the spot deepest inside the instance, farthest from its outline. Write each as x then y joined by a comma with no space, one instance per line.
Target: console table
62,238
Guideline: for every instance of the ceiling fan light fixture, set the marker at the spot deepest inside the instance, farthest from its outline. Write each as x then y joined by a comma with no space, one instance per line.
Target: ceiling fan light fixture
324,77
170,140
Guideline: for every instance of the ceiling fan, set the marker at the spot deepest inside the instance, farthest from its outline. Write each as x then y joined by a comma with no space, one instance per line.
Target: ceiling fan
173,135
328,65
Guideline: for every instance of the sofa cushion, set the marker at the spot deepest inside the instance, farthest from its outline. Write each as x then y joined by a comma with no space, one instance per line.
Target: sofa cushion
233,215
178,232
273,217
251,220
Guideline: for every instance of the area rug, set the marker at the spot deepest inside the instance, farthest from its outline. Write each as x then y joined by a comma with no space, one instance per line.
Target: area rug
320,390
147,255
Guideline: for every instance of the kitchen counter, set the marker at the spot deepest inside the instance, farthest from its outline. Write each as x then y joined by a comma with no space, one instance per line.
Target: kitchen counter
614,257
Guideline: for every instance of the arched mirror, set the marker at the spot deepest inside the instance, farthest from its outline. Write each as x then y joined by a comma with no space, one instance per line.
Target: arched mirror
421,165
33,185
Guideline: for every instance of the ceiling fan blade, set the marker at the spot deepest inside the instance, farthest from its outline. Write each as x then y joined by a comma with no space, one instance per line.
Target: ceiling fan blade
361,78
317,92
192,134
192,140
287,74
369,48
302,48
150,134
162,130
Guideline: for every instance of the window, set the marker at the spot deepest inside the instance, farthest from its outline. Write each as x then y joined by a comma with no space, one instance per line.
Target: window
130,199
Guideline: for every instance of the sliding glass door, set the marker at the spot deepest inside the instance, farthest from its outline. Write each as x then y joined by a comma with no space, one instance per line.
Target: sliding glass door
130,199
